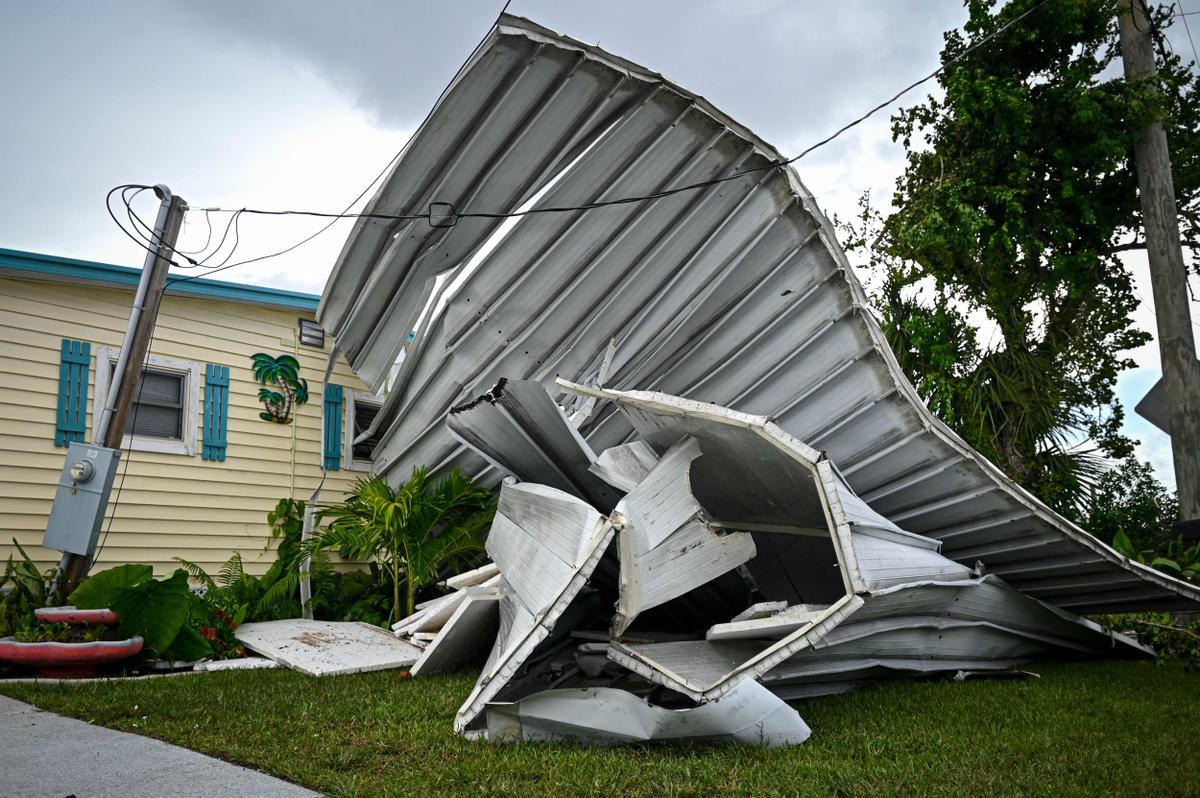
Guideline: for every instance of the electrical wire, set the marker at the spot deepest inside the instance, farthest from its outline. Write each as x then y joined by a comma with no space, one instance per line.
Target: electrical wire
450,216
1184,15
1155,33
453,215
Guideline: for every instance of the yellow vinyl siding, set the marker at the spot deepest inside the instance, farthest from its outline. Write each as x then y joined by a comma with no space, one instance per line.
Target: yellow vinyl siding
171,505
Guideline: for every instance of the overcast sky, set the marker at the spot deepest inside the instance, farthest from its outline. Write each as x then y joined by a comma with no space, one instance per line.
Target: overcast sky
298,104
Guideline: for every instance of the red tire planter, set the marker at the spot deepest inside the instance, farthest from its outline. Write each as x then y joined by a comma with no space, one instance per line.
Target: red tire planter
68,660
73,615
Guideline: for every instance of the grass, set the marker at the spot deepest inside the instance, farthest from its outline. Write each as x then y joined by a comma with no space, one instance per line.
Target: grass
1114,728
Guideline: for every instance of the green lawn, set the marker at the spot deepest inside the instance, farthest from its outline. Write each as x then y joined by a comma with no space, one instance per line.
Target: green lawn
1115,728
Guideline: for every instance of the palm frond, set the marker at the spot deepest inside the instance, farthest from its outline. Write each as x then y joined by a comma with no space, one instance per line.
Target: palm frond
196,572
231,571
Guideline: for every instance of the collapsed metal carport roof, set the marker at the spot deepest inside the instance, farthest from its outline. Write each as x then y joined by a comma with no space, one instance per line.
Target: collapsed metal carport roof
737,294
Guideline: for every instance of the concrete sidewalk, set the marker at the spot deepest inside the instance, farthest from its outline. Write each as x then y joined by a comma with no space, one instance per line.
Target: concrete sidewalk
43,754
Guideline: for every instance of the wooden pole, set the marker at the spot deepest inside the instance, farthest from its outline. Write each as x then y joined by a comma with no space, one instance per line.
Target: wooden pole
140,344
74,567
1168,276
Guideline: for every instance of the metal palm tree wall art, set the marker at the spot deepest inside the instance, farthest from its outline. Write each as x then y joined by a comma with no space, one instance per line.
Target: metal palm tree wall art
289,388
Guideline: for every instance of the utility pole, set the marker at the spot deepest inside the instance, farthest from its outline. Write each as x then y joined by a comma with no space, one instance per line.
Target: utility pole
1168,277
108,429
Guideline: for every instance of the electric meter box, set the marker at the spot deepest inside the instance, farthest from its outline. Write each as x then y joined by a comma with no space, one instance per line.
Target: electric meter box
81,499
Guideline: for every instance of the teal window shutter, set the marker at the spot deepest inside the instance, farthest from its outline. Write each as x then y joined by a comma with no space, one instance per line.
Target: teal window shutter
216,411
332,457
71,422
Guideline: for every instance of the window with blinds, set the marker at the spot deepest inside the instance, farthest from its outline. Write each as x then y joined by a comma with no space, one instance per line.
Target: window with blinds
364,414
158,409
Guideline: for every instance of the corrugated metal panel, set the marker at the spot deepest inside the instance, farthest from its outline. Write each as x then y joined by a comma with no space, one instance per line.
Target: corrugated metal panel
666,547
737,294
519,429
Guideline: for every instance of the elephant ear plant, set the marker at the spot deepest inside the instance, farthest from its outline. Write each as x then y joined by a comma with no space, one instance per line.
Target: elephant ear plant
412,531
23,589
157,610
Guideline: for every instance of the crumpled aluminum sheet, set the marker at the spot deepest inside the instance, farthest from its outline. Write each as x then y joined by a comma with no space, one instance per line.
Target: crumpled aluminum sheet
737,294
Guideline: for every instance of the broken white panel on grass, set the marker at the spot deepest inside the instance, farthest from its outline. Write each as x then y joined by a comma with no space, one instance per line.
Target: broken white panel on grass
240,664
327,648
546,543
666,547
465,639
748,715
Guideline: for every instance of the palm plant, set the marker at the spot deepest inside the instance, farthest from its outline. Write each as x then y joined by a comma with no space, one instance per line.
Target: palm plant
284,373
412,531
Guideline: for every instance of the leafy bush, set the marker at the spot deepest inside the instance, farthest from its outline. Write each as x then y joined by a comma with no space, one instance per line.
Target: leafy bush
23,589
411,531
242,597
1129,499
1178,559
44,632
1171,641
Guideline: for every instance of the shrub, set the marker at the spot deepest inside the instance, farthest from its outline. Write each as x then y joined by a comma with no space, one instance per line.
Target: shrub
1171,641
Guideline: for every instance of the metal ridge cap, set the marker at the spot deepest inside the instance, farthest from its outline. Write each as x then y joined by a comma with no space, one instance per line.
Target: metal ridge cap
511,24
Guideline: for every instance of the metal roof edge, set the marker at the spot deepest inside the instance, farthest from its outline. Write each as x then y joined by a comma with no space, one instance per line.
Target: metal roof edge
63,269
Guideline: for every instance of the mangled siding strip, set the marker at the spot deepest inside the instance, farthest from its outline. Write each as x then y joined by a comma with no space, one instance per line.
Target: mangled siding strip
740,295
748,715
764,609
435,613
942,627
519,429
626,465
666,548
473,577
546,544
704,670
884,554
771,627
539,538
465,639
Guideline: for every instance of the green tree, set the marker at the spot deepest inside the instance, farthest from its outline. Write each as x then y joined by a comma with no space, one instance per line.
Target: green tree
1128,499
1018,196
412,531
284,373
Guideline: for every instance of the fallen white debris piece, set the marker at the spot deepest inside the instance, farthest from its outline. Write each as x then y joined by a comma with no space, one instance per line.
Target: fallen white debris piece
465,639
327,648
666,548
748,715
763,609
773,626
473,577
240,664
547,544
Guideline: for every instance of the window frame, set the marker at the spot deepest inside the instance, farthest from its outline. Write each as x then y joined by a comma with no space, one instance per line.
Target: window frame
188,369
350,400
